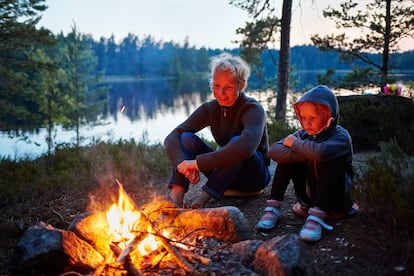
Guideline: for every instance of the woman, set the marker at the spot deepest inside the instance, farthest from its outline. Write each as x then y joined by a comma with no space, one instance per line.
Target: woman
238,126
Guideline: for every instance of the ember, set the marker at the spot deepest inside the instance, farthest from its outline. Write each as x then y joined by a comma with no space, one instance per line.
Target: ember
156,238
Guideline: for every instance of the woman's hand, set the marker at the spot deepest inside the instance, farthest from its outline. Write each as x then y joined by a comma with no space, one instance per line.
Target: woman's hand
190,170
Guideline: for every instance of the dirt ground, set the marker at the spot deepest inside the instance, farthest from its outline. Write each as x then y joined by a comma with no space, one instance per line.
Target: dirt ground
356,246
360,245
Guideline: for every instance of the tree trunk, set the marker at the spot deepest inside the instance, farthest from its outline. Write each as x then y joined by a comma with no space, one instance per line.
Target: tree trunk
386,49
49,127
284,61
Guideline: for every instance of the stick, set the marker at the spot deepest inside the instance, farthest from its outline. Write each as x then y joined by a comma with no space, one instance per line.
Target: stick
194,256
164,242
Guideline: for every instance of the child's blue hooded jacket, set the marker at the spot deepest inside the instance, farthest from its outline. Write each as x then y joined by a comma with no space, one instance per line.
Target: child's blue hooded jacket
330,144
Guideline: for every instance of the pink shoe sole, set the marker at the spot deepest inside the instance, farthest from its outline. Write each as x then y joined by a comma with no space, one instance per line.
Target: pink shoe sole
302,212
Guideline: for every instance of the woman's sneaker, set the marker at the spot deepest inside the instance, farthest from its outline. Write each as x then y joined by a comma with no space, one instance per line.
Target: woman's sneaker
270,216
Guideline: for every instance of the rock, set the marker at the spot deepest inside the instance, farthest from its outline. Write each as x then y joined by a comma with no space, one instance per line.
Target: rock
46,250
246,250
282,255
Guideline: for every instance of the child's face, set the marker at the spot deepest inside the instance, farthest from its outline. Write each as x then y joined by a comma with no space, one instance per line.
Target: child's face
314,118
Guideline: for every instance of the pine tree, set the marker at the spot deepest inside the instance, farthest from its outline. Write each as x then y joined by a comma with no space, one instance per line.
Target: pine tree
260,39
19,37
86,97
383,24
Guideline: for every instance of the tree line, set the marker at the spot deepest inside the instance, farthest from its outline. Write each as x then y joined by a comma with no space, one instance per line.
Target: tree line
148,58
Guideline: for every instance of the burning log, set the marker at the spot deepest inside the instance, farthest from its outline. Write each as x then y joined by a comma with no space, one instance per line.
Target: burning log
156,238
163,241
130,267
93,228
91,231
226,223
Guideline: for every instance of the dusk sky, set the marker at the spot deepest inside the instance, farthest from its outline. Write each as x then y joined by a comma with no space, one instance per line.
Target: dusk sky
209,23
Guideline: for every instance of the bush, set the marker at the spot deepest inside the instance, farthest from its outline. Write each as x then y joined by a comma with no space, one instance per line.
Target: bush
81,169
278,130
385,186
371,119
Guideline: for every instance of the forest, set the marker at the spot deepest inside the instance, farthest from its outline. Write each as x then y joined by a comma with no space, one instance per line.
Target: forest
149,58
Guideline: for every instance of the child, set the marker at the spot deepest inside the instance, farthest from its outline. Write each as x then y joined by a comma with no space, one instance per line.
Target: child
318,159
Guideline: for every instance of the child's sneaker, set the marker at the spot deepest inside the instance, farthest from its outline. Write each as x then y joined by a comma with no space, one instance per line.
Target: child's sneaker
299,210
312,230
302,212
270,216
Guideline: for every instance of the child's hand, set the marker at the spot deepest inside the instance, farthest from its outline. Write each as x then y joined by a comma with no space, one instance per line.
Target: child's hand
289,140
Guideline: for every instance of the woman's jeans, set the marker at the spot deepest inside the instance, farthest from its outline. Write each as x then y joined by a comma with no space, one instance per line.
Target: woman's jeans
249,175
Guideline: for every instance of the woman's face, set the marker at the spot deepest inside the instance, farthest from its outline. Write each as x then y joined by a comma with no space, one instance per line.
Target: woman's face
225,88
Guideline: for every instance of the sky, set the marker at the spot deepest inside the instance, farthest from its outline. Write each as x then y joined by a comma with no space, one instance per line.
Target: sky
206,23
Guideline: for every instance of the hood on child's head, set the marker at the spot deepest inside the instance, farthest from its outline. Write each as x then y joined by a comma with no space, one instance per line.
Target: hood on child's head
322,95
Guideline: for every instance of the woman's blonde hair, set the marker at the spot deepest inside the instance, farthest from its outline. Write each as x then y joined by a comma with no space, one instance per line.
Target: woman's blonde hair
236,65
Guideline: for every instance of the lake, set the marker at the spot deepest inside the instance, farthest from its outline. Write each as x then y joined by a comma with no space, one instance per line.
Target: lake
141,110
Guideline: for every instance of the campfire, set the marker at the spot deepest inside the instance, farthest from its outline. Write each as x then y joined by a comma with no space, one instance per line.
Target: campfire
136,241
155,239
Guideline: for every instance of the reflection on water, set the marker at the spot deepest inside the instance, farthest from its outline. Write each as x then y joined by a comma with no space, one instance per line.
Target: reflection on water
144,100
151,109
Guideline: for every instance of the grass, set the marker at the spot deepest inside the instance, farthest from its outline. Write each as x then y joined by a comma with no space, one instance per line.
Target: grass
79,169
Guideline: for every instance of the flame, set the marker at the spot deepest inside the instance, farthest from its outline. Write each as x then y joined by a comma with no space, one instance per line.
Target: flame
148,245
123,218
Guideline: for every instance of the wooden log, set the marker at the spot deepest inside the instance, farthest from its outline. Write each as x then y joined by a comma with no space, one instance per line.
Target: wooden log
92,227
226,223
